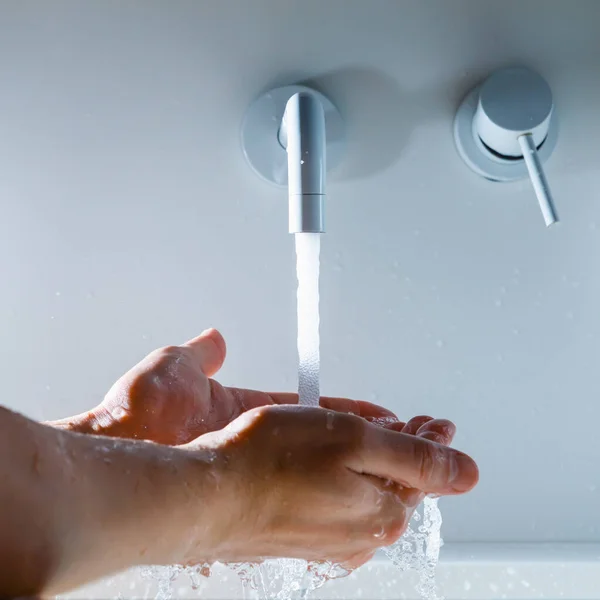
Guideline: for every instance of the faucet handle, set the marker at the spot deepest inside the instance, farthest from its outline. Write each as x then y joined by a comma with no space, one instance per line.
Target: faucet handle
538,178
506,127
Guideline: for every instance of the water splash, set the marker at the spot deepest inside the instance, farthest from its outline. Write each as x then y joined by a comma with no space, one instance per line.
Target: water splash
419,548
308,246
287,578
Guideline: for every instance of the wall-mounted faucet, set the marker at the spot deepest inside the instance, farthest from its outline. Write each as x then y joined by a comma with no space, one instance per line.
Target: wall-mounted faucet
291,136
506,128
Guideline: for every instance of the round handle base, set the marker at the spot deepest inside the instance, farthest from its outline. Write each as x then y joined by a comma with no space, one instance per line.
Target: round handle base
260,133
484,161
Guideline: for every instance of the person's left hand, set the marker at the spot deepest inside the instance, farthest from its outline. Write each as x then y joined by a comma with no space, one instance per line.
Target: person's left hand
170,398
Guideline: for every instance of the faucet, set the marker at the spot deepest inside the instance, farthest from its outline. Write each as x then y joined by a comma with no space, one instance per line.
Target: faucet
291,136
302,134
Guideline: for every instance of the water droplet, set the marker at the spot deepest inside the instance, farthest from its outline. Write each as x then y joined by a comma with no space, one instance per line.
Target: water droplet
301,162
494,588
57,293
52,318
47,388
330,417
440,343
467,586
511,571
503,290
516,331
593,488
498,303
417,232
145,336
379,534
500,358
570,316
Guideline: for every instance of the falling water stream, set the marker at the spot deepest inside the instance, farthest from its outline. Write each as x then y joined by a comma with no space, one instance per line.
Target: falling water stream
308,248
294,579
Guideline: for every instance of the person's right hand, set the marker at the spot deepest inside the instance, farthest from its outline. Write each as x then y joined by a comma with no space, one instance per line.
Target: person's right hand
316,484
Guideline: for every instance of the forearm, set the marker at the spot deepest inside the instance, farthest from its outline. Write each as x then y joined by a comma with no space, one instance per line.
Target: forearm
75,507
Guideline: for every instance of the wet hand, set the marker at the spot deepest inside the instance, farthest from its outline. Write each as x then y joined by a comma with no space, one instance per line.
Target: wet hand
170,398
324,485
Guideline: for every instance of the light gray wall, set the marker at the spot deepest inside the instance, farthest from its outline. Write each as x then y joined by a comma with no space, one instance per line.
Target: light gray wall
130,220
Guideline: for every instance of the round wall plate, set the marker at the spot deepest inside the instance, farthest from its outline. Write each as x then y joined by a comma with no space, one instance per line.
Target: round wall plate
260,133
480,159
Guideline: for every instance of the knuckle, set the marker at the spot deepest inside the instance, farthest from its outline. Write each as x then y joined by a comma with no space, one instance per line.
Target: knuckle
171,351
425,460
263,415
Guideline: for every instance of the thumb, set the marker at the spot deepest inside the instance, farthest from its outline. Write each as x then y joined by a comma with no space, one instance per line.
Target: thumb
209,350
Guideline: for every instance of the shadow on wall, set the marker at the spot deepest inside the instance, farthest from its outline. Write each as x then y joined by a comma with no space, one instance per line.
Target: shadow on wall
380,116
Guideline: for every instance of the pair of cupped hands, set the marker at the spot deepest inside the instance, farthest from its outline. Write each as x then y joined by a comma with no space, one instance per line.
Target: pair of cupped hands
333,482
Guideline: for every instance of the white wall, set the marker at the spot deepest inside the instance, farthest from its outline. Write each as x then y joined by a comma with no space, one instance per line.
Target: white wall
130,220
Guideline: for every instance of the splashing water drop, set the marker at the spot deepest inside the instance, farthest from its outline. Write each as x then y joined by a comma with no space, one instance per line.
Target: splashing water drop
330,417
419,548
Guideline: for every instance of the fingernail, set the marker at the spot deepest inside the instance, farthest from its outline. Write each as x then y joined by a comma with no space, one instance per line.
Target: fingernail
463,472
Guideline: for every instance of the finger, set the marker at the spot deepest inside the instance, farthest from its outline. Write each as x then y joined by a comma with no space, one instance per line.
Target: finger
209,350
433,436
361,408
413,425
441,431
395,426
248,399
414,462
